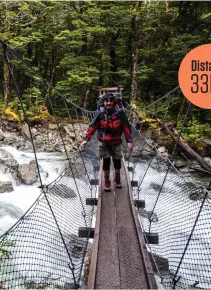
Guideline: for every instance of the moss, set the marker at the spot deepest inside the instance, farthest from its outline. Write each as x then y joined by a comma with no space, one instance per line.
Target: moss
43,115
8,112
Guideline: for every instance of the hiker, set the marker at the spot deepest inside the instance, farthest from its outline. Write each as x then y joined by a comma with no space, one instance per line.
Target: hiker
110,123
118,100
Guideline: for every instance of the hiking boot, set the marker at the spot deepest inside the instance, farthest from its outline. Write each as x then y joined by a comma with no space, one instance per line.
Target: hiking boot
107,186
117,180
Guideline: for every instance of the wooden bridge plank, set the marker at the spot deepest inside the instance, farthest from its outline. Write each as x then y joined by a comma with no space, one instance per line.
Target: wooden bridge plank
107,273
142,245
93,265
132,273
119,255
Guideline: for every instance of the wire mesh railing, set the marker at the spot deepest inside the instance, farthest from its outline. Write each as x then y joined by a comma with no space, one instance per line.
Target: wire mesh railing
43,249
178,210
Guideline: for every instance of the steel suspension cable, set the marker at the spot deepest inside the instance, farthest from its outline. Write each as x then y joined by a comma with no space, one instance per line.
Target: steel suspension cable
45,80
34,150
77,142
188,241
50,86
68,158
23,109
83,110
168,168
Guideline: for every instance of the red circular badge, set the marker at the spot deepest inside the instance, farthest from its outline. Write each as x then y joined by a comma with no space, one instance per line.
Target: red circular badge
195,76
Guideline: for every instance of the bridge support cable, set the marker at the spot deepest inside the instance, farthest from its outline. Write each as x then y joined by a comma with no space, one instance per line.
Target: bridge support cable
139,187
175,279
69,162
48,84
169,165
68,159
180,217
42,186
43,249
78,143
22,107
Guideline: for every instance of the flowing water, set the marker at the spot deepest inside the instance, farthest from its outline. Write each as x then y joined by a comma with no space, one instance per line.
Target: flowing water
14,204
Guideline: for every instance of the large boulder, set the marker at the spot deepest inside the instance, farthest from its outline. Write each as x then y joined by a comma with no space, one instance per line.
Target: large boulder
2,136
6,186
13,139
25,131
8,165
28,172
62,190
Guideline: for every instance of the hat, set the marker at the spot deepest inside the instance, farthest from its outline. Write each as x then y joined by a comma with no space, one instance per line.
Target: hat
110,96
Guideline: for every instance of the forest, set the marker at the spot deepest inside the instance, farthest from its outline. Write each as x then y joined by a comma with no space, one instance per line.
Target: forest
73,47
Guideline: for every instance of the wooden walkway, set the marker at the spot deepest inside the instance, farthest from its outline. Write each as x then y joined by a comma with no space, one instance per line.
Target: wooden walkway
119,256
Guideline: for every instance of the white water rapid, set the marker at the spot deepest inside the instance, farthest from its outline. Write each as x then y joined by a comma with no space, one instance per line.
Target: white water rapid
14,204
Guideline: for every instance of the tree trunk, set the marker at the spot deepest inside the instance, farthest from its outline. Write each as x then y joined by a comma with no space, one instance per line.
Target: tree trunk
113,62
175,136
134,58
113,68
6,85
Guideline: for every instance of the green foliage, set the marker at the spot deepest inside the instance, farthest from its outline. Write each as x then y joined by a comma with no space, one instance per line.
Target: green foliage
193,133
5,252
80,45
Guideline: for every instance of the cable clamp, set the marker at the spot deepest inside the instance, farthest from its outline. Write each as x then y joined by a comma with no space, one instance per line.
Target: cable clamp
43,186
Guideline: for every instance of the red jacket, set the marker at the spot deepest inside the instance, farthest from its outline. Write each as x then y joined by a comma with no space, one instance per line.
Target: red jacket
110,127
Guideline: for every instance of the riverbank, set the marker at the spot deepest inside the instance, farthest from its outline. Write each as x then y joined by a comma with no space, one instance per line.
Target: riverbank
47,136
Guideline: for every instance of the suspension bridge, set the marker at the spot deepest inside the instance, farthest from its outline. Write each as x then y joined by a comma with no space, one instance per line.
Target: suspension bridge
150,226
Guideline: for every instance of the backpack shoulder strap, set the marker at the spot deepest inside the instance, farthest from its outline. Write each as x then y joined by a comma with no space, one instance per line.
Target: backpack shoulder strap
120,113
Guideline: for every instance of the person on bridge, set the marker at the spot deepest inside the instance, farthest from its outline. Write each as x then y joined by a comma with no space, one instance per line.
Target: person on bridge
111,123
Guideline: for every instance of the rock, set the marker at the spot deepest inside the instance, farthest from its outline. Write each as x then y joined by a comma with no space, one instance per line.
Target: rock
48,149
6,186
11,139
34,131
52,136
197,194
1,135
8,164
161,149
69,129
62,190
76,246
28,172
44,135
11,125
25,131
77,169
160,263
186,170
72,135
155,186
52,126
39,139
151,216
208,160
180,163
